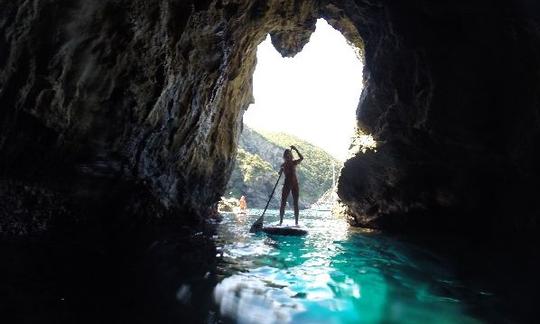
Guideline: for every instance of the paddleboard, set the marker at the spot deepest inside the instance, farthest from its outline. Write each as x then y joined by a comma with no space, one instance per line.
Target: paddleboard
284,230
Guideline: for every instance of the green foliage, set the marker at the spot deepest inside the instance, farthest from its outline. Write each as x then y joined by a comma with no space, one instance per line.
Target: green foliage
254,169
315,172
259,158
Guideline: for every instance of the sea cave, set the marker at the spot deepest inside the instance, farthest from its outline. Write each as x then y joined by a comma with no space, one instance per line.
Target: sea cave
120,123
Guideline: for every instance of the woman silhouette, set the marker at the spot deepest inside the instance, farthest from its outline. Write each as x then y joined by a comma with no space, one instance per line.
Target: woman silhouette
291,182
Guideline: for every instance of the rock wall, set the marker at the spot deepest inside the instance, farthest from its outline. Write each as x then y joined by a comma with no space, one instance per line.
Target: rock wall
453,100
123,103
135,107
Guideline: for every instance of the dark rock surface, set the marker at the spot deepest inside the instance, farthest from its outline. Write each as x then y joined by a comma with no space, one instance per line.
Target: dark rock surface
452,97
132,93
151,94
119,114
100,98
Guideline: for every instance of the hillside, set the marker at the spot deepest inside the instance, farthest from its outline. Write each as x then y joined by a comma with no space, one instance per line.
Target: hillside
258,161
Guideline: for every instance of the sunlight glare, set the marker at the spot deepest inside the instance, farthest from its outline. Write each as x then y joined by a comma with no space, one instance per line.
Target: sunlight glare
313,95
361,143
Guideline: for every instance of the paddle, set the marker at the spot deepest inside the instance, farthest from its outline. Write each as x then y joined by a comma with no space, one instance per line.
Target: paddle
257,226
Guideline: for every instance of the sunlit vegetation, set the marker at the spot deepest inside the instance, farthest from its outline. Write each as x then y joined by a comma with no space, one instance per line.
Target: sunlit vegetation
252,166
255,173
316,169
362,142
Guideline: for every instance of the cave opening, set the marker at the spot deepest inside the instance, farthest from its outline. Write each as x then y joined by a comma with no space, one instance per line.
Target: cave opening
312,95
309,100
120,124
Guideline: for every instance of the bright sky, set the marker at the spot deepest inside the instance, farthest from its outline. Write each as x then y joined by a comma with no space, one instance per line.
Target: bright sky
313,95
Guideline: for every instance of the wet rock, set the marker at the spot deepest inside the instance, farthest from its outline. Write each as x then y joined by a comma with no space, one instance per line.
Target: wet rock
140,103
132,92
451,97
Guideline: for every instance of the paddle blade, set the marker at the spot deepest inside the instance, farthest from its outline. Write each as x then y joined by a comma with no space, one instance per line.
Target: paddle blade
257,226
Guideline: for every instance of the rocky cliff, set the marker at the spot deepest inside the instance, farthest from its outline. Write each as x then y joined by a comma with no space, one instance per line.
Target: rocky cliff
259,159
135,107
452,97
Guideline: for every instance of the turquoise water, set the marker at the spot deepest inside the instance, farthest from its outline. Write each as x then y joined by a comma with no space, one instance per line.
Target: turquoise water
335,274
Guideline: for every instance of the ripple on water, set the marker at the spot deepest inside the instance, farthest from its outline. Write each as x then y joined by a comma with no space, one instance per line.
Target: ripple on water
332,275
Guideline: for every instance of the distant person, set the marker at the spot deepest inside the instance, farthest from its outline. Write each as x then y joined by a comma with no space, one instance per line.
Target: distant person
291,182
243,204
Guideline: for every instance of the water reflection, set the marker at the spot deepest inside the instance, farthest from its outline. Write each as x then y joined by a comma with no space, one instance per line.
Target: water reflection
332,275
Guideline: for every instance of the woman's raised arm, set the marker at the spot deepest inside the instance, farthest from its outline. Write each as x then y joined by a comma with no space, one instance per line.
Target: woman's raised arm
300,156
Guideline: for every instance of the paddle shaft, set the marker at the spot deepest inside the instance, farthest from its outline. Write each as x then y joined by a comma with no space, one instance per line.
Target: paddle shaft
272,194
255,226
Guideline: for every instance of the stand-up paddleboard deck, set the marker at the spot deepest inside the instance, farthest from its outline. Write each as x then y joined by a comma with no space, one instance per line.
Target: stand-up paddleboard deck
284,230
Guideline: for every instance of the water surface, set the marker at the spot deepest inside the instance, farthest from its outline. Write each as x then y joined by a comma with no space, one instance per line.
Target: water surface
335,274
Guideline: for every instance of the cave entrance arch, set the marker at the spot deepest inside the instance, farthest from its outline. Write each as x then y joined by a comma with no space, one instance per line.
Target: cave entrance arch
311,97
